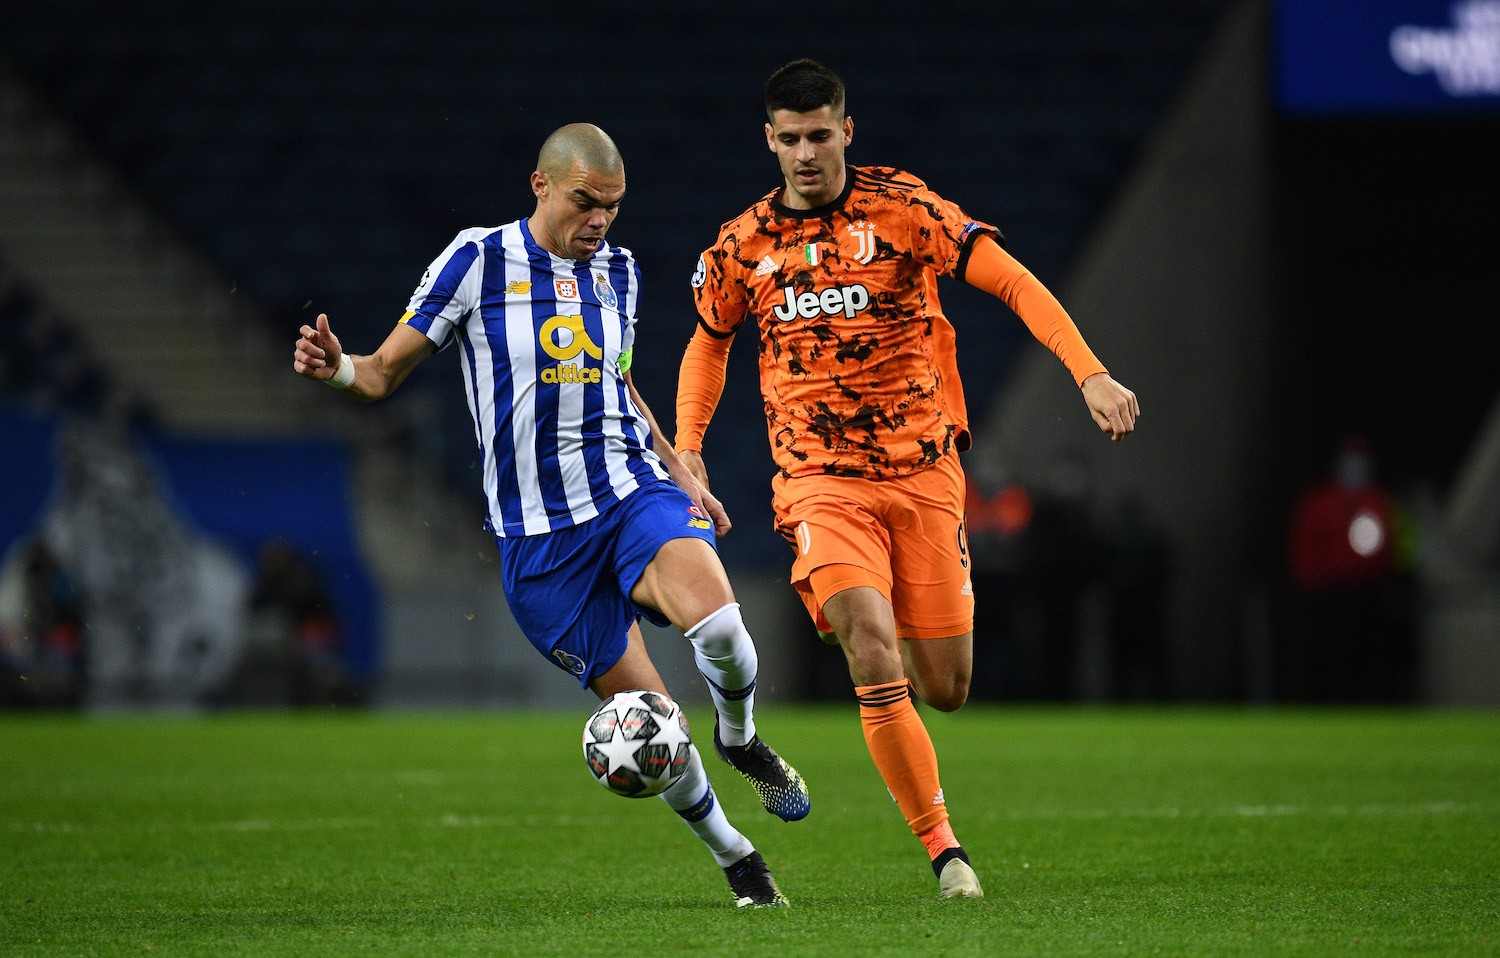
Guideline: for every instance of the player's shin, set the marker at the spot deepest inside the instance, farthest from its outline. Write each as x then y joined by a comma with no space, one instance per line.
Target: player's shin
693,799
903,753
726,657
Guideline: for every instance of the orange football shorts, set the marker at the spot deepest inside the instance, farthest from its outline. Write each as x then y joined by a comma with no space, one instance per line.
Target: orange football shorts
903,537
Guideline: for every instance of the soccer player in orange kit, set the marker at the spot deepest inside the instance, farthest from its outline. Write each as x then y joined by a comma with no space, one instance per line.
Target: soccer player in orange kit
838,267
866,416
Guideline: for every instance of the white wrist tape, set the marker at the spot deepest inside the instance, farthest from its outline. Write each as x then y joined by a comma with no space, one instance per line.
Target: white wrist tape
343,378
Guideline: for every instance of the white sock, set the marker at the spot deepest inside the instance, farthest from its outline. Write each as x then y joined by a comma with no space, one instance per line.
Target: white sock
692,798
726,656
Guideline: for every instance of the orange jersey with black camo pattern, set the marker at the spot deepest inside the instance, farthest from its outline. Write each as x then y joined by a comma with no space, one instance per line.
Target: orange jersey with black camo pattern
857,363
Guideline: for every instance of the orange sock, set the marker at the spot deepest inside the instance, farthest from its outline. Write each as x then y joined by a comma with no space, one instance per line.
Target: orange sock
903,753
938,839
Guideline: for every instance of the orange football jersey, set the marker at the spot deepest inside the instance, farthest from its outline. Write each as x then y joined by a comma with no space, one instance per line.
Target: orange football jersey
857,362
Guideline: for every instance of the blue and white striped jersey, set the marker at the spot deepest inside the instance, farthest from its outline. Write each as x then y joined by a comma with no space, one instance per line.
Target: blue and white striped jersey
545,342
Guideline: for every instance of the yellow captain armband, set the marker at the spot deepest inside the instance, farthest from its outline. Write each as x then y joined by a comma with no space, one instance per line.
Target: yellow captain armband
625,358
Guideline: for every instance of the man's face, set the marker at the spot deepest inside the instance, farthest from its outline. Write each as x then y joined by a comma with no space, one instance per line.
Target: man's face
574,210
810,148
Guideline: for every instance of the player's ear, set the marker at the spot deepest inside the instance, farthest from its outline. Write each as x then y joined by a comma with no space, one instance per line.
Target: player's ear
770,138
538,183
848,130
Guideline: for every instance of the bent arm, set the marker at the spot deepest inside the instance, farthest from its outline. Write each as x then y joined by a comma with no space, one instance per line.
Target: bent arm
377,375
320,356
1113,407
995,271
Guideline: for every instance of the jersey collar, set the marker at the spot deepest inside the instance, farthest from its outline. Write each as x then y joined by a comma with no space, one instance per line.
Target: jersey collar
817,212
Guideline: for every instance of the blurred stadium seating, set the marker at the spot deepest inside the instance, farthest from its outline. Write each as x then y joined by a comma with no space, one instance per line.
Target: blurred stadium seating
317,156
314,157
321,154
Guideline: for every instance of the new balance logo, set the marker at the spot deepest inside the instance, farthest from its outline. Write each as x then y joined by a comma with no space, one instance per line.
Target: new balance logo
766,266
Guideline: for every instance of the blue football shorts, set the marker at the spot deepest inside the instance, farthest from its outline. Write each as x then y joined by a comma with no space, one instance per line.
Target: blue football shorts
569,590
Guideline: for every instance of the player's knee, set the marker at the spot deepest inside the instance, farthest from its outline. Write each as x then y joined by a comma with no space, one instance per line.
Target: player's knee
872,662
946,695
719,633
866,630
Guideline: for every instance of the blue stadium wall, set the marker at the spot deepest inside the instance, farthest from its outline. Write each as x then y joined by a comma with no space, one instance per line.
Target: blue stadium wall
238,493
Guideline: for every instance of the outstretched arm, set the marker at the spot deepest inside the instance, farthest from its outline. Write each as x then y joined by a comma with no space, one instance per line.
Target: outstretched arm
678,470
990,268
320,356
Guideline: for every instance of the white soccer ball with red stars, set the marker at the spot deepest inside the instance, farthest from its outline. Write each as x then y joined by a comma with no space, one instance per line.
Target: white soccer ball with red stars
637,743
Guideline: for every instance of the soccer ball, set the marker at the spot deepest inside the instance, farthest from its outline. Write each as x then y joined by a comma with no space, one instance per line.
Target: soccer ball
637,743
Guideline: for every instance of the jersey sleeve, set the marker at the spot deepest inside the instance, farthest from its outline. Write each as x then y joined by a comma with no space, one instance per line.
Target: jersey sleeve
449,290
995,271
723,301
629,310
943,234
700,384
719,294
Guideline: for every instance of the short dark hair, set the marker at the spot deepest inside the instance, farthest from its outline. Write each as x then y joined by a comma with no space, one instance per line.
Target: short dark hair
803,86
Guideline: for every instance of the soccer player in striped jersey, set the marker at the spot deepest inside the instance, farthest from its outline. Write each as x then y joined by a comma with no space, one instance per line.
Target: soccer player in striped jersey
838,268
597,521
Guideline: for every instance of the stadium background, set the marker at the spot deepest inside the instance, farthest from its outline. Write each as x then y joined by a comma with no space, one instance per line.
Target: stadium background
187,183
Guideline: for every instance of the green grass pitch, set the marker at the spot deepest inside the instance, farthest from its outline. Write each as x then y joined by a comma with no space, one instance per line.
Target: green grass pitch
1096,832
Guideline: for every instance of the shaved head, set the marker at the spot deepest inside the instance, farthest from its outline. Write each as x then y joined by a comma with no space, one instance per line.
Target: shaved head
581,143
578,182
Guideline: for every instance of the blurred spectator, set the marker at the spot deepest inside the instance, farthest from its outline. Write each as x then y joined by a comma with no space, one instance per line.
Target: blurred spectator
295,649
127,411
1353,634
1063,554
46,338
41,631
1137,578
78,384
16,308
998,511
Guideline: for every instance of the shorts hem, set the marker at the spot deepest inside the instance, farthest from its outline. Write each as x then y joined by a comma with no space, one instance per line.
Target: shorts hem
933,632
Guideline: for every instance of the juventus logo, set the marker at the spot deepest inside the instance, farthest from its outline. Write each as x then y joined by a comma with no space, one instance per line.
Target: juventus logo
804,537
865,234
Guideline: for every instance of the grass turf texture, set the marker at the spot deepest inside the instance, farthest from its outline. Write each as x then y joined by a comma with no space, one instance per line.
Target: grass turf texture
1174,832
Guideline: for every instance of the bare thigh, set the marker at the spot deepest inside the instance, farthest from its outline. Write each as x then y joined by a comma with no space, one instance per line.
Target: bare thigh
635,670
940,669
684,582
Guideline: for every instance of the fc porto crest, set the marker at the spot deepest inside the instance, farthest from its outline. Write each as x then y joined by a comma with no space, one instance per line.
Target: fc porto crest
604,291
568,661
